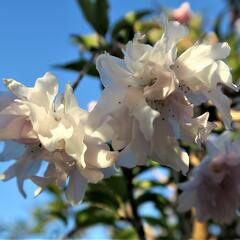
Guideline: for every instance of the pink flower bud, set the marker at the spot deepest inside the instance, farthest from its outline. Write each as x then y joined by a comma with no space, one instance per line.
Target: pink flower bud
182,14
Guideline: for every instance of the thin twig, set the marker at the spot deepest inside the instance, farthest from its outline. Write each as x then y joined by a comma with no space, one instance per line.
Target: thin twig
84,71
136,219
72,233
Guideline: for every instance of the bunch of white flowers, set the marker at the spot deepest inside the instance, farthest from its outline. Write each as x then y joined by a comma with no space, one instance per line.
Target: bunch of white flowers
155,91
39,125
146,109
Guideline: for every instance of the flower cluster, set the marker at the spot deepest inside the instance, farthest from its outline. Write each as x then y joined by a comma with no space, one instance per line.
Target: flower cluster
146,110
155,92
39,126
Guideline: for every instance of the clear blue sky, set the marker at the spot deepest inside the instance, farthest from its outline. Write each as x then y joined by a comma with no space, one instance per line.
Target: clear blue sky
35,35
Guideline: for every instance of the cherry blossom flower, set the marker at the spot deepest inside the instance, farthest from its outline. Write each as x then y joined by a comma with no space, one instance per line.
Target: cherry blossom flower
142,87
214,187
40,125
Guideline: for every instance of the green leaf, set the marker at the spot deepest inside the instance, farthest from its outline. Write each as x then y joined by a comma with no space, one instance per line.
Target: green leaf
96,13
101,195
94,215
126,233
124,28
89,42
148,196
78,66
118,186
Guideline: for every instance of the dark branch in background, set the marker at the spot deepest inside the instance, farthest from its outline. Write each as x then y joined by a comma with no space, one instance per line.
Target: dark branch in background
84,71
71,234
235,10
136,219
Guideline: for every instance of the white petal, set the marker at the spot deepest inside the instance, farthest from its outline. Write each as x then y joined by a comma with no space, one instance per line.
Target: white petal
166,149
173,32
92,175
139,108
200,58
6,98
42,94
99,155
12,150
75,147
112,71
163,87
69,99
222,103
110,102
137,151
136,53
76,187
224,76
42,182
196,129
186,201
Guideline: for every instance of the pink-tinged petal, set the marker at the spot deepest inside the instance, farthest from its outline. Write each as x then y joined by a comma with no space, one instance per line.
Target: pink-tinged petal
182,14
197,129
186,201
6,99
12,150
15,128
215,183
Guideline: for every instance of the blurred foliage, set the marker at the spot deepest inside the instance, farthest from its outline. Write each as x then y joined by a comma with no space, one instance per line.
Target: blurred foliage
119,203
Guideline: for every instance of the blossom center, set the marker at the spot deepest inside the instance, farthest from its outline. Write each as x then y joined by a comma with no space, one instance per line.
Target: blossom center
163,107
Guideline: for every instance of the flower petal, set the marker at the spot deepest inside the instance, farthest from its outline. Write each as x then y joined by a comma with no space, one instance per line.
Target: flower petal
76,187
112,70
139,108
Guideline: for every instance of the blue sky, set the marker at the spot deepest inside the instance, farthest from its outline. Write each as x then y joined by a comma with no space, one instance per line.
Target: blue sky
35,35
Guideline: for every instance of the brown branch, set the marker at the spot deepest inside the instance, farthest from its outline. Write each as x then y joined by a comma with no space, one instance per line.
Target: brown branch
235,10
72,233
136,219
200,231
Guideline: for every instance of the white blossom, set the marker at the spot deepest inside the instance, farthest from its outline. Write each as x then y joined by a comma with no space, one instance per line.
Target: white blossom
150,92
40,125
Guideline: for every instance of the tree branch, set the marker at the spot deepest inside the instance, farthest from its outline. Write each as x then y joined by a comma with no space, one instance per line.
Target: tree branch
84,71
136,219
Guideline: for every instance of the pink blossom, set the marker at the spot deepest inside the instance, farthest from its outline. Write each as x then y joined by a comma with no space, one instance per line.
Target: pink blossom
214,189
182,14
